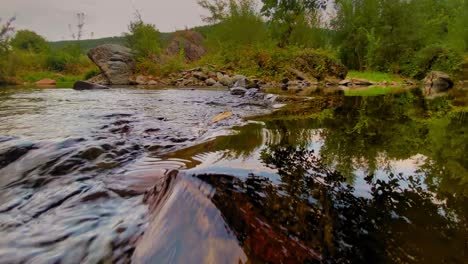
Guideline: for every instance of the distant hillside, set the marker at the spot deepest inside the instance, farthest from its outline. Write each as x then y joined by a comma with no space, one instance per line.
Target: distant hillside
87,44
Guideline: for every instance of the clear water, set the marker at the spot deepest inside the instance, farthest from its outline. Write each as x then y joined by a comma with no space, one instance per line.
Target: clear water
145,176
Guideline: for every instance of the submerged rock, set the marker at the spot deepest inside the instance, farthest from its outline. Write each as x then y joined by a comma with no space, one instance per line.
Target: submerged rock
114,61
238,91
221,116
82,85
436,82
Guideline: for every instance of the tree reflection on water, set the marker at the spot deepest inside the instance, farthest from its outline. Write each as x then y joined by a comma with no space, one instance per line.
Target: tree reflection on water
313,216
313,212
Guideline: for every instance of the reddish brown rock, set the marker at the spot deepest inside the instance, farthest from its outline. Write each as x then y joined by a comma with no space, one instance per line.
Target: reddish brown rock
45,82
192,45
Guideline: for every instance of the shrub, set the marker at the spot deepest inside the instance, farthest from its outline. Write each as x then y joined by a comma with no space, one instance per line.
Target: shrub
433,57
57,61
91,73
27,40
144,40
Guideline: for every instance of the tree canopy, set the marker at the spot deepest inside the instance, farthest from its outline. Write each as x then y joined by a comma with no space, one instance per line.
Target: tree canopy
29,41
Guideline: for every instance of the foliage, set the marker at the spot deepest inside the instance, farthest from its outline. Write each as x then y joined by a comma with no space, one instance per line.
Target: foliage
241,28
144,40
292,20
5,31
408,37
216,8
92,73
435,57
26,40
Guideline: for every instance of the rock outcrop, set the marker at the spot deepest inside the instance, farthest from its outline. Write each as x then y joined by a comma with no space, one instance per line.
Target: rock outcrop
190,42
115,62
312,65
437,82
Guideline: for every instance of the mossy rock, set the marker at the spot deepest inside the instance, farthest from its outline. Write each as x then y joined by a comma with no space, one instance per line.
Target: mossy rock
319,66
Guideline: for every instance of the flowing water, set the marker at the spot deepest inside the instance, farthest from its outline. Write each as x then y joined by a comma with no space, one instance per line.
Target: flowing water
147,176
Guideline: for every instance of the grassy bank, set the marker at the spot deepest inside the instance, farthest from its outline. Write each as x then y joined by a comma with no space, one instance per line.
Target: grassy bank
375,76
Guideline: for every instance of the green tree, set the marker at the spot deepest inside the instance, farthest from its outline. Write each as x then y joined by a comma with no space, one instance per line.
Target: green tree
5,32
27,40
144,39
216,8
287,16
404,36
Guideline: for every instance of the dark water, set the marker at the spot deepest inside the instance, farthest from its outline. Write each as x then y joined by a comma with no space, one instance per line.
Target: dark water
146,176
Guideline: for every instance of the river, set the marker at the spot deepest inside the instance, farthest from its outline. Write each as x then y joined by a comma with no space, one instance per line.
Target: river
149,176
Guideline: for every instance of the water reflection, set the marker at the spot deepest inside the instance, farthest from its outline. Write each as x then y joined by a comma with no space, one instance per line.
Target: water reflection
315,182
313,216
344,180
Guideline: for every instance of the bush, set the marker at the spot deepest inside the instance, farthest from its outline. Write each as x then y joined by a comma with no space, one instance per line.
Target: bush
27,40
242,28
91,73
147,66
144,40
57,61
431,58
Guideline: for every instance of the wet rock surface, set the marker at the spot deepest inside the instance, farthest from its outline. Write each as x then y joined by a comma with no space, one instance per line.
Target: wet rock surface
82,85
437,82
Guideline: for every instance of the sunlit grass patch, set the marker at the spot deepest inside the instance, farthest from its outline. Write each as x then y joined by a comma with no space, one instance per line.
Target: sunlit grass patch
370,91
61,79
375,76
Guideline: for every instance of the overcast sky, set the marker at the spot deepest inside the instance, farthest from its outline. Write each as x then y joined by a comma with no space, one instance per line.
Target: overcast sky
104,18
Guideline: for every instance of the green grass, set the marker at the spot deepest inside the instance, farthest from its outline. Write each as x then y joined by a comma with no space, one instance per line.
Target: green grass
375,76
61,79
370,91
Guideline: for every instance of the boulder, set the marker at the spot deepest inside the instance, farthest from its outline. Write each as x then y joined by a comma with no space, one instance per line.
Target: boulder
45,82
225,80
82,85
200,75
252,92
301,75
253,83
210,82
218,85
238,91
153,82
141,80
239,81
436,82
115,62
192,43
99,79
361,82
345,82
